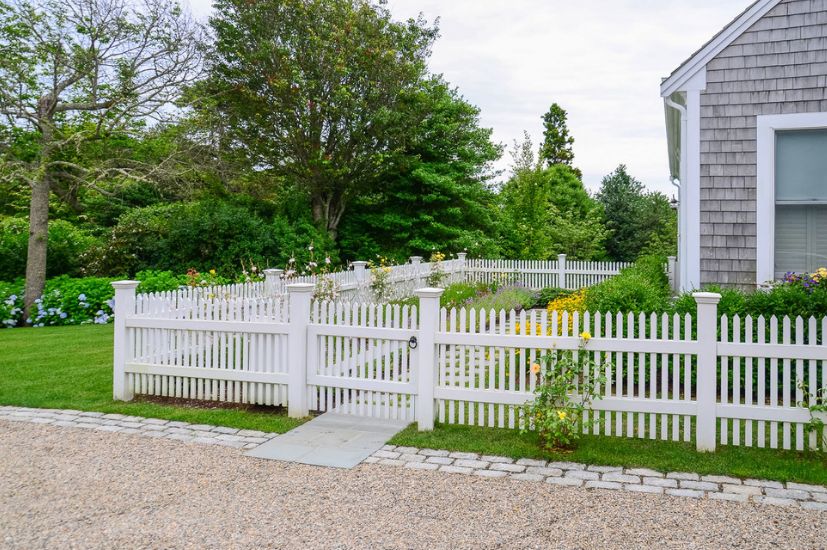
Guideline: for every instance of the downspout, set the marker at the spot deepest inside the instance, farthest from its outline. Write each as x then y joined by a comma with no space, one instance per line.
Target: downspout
682,264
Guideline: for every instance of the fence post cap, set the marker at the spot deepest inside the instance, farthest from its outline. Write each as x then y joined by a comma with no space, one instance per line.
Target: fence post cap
462,255
706,297
273,271
561,255
125,285
429,292
300,288
358,263
416,259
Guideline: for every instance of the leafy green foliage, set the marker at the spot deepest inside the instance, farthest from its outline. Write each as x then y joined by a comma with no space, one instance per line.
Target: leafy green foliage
66,246
65,301
312,91
557,417
557,143
434,196
638,221
547,211
549,294
779,300
642,288
203,235
153,280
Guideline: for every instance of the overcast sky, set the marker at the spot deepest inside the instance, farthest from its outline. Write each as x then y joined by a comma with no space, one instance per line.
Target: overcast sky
602,60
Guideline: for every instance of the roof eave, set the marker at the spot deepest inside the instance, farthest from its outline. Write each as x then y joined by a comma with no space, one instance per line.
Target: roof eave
727,36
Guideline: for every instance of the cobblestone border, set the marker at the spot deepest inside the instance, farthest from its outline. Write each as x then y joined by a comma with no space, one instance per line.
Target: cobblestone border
137,425
638,480
571,474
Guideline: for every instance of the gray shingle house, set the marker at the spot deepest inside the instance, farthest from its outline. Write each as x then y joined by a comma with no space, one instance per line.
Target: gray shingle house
746,120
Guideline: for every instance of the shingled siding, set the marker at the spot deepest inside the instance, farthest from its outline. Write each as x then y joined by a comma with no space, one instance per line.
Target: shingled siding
778,66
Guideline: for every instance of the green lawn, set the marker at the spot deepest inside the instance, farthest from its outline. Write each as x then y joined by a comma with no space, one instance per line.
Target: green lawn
71,368
618,451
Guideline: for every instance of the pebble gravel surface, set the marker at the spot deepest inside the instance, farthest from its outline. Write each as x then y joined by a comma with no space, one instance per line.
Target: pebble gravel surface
64,487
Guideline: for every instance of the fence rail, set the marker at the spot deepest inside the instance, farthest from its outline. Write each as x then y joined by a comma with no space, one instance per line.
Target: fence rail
739,381
357,285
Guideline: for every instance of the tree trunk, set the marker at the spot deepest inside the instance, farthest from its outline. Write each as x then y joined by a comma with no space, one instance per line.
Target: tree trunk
38,239
327,213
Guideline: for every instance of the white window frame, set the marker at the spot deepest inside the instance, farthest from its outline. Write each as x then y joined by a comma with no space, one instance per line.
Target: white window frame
768,125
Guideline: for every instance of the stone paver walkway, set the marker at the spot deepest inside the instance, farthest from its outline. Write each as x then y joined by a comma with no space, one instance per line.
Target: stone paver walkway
637,480
335,440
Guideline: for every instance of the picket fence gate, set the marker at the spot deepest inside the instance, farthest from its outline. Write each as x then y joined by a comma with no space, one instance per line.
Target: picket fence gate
745,382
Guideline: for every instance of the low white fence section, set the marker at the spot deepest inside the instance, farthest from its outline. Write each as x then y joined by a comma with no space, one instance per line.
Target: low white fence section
745,382
539,274
232,350
357,283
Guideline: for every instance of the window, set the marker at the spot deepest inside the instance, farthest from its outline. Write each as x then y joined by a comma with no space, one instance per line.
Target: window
800,201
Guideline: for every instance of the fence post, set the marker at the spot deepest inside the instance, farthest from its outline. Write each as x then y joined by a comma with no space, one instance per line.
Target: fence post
670,272
426,371
461,256
360,269
300,296
416,262
561,271
706,421
272,280
124,306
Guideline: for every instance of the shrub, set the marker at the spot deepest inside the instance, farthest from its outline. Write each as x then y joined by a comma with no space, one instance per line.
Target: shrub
460,294
68,301
505,297
203,235
792,297
159,281
568,302
551,293
66,247
11,303
554,413
642,287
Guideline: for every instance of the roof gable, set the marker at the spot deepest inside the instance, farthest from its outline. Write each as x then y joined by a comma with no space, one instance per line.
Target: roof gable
716,45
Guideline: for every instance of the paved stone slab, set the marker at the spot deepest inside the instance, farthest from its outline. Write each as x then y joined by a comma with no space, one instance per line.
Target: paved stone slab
335,440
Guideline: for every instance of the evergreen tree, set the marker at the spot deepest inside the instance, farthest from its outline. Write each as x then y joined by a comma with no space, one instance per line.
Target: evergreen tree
637,220
435,195
557,143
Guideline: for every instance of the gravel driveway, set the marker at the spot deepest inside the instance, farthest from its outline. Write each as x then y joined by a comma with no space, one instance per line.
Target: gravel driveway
63,487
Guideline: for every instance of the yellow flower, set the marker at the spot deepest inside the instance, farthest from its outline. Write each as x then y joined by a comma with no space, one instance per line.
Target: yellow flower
212,272
561,415
535,368
586,335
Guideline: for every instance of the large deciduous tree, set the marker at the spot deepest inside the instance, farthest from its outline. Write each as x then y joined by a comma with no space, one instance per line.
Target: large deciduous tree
72,72
310,91
546,211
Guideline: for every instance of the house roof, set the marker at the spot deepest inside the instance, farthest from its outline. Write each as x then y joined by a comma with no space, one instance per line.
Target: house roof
716,45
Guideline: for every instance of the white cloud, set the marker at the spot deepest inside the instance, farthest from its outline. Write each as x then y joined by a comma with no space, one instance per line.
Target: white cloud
602,60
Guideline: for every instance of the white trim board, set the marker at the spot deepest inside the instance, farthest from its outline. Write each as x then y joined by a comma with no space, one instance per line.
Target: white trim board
715,46
765,182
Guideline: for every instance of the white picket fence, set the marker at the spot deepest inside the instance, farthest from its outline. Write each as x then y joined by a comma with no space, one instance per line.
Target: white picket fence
539,274
667,377
355,284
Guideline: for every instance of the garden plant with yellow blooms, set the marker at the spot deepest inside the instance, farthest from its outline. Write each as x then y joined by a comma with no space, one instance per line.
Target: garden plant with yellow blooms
568,383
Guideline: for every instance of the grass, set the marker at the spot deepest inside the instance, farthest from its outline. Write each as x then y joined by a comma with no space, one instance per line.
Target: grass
71,368
808,467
